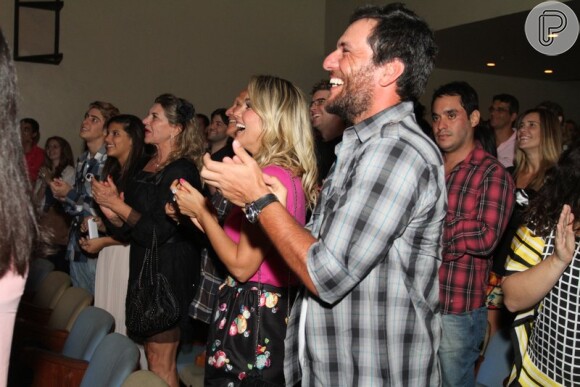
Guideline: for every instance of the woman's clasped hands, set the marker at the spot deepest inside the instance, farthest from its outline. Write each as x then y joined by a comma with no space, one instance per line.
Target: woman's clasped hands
105,192
106,195
189,202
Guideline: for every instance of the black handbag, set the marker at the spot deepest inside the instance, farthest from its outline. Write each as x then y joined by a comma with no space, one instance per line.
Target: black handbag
151,303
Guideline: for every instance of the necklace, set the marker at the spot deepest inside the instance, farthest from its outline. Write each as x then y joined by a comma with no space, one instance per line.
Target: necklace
157,162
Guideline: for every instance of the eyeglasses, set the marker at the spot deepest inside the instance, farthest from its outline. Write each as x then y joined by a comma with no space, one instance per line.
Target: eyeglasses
318,102
498,109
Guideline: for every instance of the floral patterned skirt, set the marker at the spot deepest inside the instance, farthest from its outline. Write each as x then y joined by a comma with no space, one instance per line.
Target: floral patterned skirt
246,335
494,298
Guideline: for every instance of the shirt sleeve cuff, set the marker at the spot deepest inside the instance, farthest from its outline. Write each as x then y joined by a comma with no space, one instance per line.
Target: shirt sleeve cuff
330,277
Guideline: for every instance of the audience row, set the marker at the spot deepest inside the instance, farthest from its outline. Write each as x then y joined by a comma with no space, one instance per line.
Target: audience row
336,242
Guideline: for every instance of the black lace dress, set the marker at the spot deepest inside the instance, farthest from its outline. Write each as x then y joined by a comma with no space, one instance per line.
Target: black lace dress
179,246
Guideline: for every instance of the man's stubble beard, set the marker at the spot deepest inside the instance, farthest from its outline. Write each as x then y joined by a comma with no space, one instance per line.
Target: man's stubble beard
356,96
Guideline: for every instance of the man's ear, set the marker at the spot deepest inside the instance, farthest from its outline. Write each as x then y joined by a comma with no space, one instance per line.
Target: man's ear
474,118
513,118
391,71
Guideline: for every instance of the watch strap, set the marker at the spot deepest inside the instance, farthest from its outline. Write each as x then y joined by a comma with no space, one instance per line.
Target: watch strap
253,209
262,202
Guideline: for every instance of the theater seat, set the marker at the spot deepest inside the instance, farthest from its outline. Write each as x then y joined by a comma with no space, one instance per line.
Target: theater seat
89,329
143,378
114,360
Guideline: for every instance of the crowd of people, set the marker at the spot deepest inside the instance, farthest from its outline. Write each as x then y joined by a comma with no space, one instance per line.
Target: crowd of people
334,242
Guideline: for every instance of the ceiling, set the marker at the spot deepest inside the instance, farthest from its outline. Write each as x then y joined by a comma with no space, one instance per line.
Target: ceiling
502,40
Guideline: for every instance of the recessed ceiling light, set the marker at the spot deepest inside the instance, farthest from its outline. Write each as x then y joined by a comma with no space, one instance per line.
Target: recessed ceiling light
548,71
552,35
490,64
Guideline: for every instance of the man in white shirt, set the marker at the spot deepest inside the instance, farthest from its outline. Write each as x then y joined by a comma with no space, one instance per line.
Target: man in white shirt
503,112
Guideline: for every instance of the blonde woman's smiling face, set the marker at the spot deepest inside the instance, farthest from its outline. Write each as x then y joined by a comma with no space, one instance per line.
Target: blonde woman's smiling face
529,131
249,127
237,108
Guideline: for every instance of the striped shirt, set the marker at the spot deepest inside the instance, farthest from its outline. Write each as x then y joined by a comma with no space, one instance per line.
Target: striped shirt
378,223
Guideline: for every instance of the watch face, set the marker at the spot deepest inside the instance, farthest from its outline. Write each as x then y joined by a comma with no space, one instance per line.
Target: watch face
252,213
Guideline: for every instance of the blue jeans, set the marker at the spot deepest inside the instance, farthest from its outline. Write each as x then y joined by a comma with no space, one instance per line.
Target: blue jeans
82,274
460,346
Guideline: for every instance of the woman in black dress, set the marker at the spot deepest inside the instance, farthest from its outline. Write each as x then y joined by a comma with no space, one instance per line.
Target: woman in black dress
170,127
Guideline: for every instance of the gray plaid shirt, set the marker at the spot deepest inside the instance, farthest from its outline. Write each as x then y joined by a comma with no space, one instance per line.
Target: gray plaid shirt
79,201
378,223
213,273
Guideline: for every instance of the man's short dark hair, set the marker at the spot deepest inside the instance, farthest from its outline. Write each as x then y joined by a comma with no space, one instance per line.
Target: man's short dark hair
34,126
514,104
401,34
323,84
467,95
222,113
203,118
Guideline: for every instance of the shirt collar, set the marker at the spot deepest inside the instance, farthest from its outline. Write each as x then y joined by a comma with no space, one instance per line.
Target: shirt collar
476,156
101,153
373,125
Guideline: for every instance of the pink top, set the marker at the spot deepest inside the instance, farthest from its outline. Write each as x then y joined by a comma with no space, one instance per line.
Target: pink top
273,270
506,151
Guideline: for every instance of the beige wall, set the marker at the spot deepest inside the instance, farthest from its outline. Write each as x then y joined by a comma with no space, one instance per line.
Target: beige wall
129,51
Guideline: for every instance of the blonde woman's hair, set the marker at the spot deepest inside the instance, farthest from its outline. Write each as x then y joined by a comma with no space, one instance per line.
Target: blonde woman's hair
550,146
189,142
287,139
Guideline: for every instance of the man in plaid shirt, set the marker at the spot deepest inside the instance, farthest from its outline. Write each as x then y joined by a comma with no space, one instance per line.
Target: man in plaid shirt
370,257
480,202
78,200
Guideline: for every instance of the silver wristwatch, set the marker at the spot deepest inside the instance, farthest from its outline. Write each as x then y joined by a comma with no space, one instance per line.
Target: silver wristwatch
254,208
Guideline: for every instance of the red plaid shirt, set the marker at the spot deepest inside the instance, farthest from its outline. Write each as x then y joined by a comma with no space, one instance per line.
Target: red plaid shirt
480,202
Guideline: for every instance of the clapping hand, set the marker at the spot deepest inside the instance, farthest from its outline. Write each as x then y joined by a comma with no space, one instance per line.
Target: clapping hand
59,188
239,179
105,193
189,201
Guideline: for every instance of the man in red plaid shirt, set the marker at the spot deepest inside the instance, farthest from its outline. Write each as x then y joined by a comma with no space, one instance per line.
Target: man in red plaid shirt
480,202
